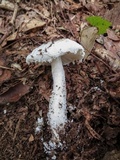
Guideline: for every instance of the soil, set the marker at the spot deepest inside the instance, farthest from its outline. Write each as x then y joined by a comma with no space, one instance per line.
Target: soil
93,87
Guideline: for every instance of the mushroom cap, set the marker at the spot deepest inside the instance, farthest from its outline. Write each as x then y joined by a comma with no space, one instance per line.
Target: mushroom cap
67,49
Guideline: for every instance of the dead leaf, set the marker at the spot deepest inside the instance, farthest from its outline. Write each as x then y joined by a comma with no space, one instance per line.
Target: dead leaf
93,7
112,155
113,46
112,35
50,30
113,59
113,15
88,37
2,29
2,61
12,37
1,71
7,5
31,138
23,51
39,11
44,12
43,90
5,75
115,92
75,6
71,1
14,93
16,66
32,24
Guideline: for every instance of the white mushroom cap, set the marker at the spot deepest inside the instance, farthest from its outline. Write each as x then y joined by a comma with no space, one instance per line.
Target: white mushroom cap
67,49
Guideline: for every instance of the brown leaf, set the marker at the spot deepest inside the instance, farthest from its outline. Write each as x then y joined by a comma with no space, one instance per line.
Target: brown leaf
2,61
112,35
5,75
7,5
43,90
12,37
88,37
115,92
32,24
50,30
31,138
112,58
113,15
93,7
113,46
14,93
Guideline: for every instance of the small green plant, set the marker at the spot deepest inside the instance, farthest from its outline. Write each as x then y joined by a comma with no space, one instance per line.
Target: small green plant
100,23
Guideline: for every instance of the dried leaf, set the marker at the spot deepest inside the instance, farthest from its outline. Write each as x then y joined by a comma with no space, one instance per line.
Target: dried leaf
88,36
12,37
7,5
114,154
113,46
31,138
14,93
113,15
115,92
112,35
45,12
2,29
16,66
43,90
5,75
113,59
32,24
50,30
2,61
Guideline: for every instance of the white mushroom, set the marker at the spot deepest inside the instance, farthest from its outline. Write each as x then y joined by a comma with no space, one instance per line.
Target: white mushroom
57,53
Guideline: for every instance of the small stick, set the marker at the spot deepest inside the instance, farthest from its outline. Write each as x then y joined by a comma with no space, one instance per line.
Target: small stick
15,12
101,60
6,34
3,67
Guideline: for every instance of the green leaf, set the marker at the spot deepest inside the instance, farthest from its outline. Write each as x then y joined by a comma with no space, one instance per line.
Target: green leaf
100,23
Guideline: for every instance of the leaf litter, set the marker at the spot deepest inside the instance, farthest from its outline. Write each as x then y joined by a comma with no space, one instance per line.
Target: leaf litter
93,86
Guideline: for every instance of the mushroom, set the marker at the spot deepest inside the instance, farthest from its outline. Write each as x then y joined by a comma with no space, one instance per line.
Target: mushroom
57,53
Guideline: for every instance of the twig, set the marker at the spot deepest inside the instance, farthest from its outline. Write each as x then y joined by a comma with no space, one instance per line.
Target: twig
92,131
3,67
100,59
17,128
6,34
17,40
83,98
15,12
85,112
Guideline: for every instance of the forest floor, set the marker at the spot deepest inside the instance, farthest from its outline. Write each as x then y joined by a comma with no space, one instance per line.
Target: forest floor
93,86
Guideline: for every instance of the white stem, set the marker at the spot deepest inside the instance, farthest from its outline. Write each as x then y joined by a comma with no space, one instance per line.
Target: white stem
57,106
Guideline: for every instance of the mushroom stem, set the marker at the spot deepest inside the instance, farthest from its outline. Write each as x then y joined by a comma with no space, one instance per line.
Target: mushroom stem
57,107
